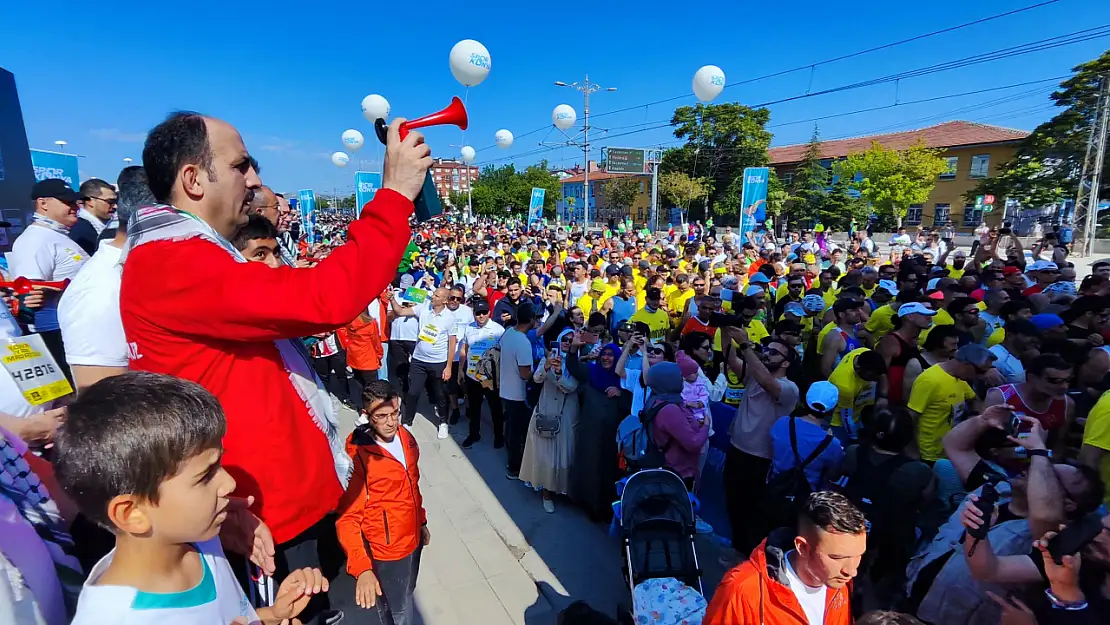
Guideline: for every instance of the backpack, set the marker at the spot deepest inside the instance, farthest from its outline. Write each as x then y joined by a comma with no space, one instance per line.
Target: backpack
787,491
636,439
488,367
890,537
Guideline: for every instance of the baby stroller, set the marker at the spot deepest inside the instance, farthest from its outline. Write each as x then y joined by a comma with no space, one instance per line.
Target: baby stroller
657,532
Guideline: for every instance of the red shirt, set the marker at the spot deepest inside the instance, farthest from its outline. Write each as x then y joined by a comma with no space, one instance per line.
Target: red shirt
190,310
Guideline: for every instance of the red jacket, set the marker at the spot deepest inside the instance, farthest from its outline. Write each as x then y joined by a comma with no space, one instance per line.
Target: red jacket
382,511
190,310
757,593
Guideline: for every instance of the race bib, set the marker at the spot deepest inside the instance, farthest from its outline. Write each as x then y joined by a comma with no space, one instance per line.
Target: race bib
429,333
34,370
733,396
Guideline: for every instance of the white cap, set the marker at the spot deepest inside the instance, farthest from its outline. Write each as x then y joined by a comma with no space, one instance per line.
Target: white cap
915,308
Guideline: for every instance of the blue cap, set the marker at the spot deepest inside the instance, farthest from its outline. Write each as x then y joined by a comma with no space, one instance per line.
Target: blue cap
1046,321
822,396
794,308
759,278
754,290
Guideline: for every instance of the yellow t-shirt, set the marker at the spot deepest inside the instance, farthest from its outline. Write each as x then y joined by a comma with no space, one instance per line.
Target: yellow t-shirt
881,322
855,392
1097,434
657,321
821,336
830,297
942,318
940,399
676,303
756,333
668,289
996,337
588,304
954,273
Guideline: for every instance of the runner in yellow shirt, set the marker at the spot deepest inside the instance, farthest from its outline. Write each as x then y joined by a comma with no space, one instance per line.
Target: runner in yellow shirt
942,396
861,379
653,315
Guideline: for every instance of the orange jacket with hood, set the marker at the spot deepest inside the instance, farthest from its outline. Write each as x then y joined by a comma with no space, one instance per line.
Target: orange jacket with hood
757,592
382,512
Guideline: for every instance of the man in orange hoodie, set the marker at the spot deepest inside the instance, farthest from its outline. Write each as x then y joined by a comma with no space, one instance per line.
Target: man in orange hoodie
802,579
382,524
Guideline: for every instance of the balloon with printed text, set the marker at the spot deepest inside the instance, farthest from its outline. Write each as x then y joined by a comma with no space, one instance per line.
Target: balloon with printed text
470,62
709,81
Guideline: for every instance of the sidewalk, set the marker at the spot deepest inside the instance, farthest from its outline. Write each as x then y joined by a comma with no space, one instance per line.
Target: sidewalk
496,557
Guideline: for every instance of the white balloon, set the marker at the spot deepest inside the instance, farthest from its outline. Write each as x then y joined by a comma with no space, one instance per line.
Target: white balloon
375,107
467,154
563,116
470,62
708,83
503,138
352,139
340,159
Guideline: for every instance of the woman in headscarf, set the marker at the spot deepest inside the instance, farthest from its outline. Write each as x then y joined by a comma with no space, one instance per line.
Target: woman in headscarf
677,432
549,447
595,463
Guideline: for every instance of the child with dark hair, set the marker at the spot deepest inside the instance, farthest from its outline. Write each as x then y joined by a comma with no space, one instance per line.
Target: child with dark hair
257,241
139,453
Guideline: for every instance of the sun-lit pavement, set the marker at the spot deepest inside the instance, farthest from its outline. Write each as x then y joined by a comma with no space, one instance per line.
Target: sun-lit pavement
496,557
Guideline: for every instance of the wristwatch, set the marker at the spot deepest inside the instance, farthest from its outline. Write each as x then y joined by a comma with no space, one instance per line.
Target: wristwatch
1045,453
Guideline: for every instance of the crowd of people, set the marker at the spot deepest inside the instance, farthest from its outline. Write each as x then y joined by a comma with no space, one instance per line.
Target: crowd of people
904,433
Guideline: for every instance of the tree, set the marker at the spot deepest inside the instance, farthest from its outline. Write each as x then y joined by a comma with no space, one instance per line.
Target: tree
721,140
498,188
680,190
1047,164
621,192
457,200
810,186
347,202
891,180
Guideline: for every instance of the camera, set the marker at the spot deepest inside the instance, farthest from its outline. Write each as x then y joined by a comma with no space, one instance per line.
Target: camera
725,320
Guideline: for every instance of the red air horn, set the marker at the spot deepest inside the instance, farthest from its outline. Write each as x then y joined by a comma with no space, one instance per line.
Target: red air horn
22,286
427,204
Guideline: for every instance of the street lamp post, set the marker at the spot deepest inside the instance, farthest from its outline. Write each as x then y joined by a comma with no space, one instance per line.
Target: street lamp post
586,87
127,161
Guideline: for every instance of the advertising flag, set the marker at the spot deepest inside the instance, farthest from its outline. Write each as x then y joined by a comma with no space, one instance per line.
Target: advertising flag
366,185
307,205
753,200
535,206
55,165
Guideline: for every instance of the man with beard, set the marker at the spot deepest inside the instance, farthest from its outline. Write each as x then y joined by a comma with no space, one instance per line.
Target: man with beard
98,205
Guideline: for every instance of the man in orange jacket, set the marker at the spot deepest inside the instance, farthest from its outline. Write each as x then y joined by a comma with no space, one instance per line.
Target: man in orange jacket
382,525
797,579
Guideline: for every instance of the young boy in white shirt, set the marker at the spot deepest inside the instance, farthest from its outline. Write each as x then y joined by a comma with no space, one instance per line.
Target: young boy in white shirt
139,453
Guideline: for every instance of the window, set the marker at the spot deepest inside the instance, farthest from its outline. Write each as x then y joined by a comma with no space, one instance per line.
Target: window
788,179
980,166
940,214
972,216
913,215
950,173
641,186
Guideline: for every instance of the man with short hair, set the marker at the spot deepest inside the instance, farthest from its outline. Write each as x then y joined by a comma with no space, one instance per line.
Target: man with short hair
653,314
44,251
1021,342
799,575
514,372
89,310
479,336
282,441
941,396
432,359
98,205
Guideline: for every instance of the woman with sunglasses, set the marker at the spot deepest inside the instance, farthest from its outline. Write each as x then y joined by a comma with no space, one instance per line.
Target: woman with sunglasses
644,354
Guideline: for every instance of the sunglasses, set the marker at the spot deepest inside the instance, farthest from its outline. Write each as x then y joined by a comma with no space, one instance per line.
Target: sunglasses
454,298
1055,380
655,351
112,202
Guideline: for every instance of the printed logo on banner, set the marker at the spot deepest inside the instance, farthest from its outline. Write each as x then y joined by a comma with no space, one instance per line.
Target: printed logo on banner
535,206
307,205
753,199
366,186
55,165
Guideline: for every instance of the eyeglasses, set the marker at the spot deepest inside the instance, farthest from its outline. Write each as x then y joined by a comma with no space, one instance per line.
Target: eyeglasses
387,416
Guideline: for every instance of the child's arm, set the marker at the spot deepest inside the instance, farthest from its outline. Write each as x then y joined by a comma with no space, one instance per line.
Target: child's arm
349,526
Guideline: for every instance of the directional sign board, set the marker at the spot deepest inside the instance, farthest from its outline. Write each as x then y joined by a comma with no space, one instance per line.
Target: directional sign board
625,161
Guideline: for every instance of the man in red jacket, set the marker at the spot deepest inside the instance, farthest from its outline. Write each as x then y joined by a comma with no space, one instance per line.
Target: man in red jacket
192,307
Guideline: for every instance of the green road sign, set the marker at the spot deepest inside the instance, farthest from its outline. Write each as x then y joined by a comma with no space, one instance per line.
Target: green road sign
625,161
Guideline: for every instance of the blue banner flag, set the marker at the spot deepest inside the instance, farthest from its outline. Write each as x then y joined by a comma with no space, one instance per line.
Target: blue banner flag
753,200
535,207
55,165
366,185
307,205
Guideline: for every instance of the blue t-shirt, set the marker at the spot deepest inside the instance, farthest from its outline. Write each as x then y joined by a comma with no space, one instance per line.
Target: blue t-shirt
809,437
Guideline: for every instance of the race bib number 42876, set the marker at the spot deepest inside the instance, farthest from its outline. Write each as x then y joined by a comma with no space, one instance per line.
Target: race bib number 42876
33,369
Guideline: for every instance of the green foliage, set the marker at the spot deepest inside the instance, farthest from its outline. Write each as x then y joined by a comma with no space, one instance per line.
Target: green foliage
347,202
680,189
1047,164
892,180
721,140
498,188
457,200
621,192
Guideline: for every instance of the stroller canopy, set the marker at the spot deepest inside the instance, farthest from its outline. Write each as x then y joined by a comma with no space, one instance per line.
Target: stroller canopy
655,495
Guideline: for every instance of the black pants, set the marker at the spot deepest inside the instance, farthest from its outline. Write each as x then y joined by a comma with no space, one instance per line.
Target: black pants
475,393
400,354
517,418
426,376
337,362
362,378
745,479
316,547
398,581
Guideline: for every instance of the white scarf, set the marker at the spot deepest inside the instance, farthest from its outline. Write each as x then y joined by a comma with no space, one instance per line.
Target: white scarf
92,219
38,219
163,222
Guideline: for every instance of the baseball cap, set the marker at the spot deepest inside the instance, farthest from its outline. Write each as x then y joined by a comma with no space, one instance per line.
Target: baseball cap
975,354
55,188
915,308
822,396
869,269
481,307
754,290
626,270
890,286
759,278
1009,271
794,308
644,264
1043,265
813,303
932,284
1046,321
612,270
598,285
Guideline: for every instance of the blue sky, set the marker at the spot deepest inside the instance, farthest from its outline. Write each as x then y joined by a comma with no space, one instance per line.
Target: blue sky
291,75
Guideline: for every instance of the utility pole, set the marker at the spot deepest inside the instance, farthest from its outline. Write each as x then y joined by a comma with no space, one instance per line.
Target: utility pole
1086,200
586,87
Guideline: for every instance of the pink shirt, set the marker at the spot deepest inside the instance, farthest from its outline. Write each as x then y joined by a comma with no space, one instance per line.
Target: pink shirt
682,436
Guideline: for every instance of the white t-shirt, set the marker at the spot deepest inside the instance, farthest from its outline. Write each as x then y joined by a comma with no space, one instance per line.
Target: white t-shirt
404,328
395,448
216,599
435,331
88,312
577,290
464,315
811,599
1008,364
478,340
516,352
40,253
